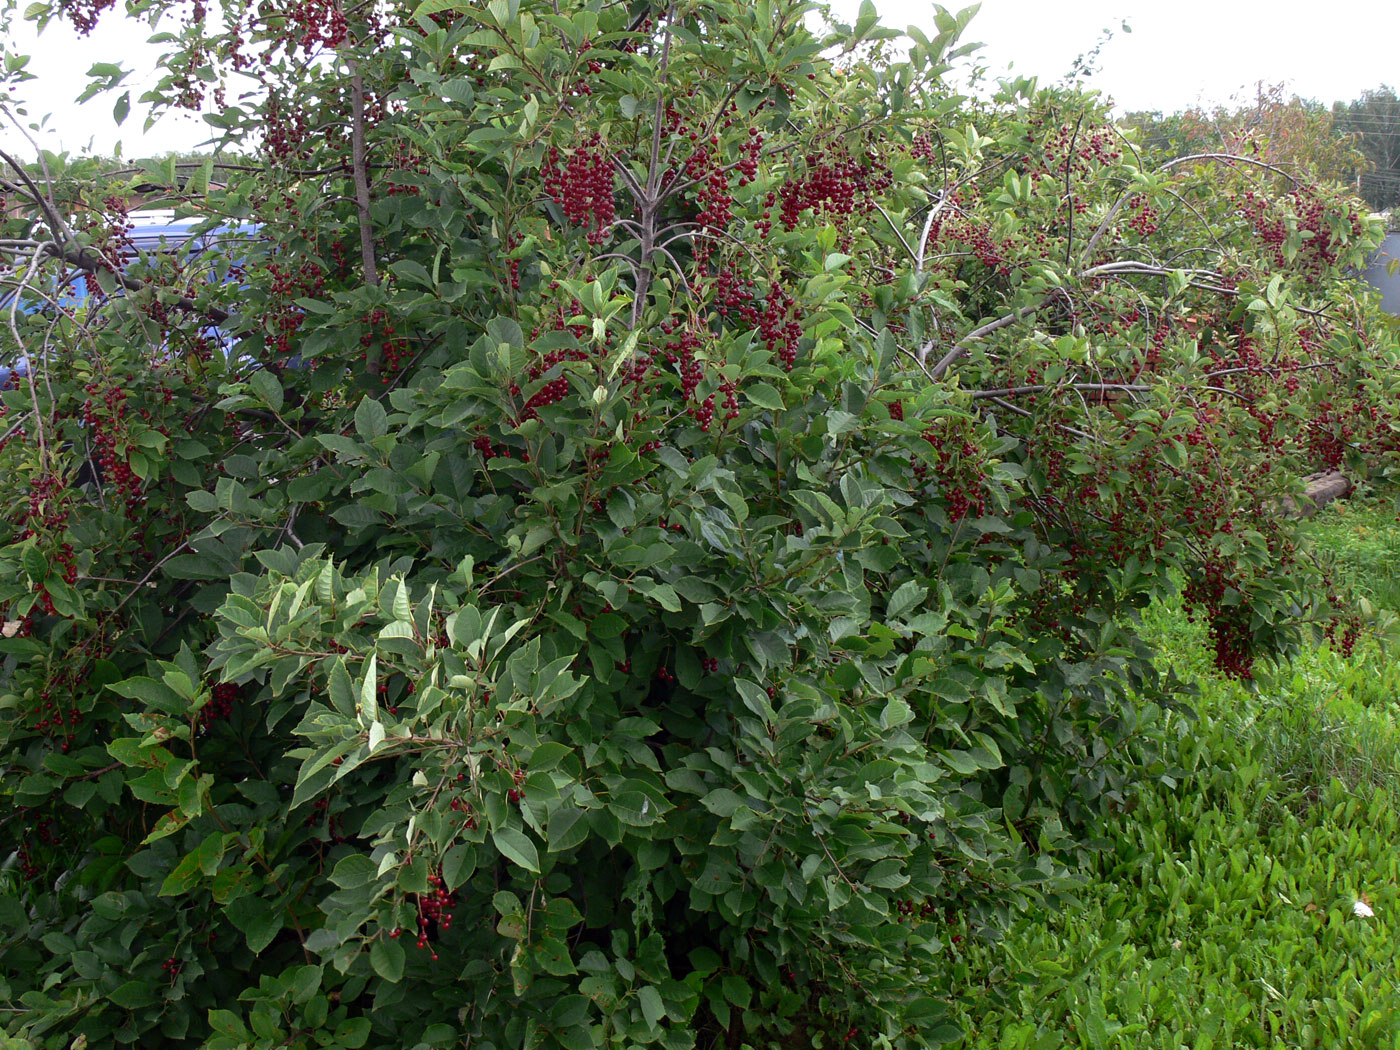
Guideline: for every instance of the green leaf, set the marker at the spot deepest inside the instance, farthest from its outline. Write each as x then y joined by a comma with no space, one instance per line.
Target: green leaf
371,421
653,1009
567,828
184,878
210,854
269,391
553,956
517,848
907,596
36,566
666,596
736,991
457,865
368,709
1094,1030
764,395
307,982
132,995
228,1023
386,955
352,1032
155,695
259,920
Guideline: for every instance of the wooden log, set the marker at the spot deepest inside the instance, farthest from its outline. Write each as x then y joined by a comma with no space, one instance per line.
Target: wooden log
1320,489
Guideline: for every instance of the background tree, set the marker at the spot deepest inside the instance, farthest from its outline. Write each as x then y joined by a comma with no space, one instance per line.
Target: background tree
634,535
1374,119
1295,134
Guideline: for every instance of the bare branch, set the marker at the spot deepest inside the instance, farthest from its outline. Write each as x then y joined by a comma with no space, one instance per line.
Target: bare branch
1038,388
963,345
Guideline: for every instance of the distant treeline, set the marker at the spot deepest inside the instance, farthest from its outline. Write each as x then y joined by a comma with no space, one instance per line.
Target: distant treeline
1356,142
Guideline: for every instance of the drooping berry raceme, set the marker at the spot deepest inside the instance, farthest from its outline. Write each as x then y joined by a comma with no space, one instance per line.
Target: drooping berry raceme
581,183
84,14
434,911
833,186
780,325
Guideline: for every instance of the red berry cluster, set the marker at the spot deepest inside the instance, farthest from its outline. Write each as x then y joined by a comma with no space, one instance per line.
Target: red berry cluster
680,352
460,805
1230,626
394,351
110,233
780,325
513,262
283,135
1328,434
434,909
104,416
287,283
303,22
405,162
959,470
517,779
318,21
1144,216
340,258
833,188
908,908
1316,218
46,515
53,711
220,705
188,87
990,251
551,393
557,389
925,148
582,185
1071,150
713,197
1350,630
583,87
84,14
321,809
733,296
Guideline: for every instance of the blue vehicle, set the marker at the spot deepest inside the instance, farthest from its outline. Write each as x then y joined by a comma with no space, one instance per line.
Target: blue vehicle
154,232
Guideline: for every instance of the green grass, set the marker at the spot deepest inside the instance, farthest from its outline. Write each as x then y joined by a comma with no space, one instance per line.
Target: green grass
1361,538
1221,912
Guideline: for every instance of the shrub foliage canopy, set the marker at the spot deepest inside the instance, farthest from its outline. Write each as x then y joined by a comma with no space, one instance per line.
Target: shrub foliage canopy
631,535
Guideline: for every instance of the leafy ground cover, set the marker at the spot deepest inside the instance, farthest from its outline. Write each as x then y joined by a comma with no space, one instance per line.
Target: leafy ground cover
1249,898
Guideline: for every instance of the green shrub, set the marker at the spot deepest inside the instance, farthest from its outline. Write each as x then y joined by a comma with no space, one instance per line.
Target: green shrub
663,540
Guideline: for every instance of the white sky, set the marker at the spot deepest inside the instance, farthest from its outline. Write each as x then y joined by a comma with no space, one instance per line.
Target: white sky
1179,53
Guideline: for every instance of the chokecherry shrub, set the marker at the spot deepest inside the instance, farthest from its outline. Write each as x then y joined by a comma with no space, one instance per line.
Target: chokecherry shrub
633,532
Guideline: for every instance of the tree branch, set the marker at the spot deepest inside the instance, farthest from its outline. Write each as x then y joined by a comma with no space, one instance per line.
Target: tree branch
360,173
963,345
1038,388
